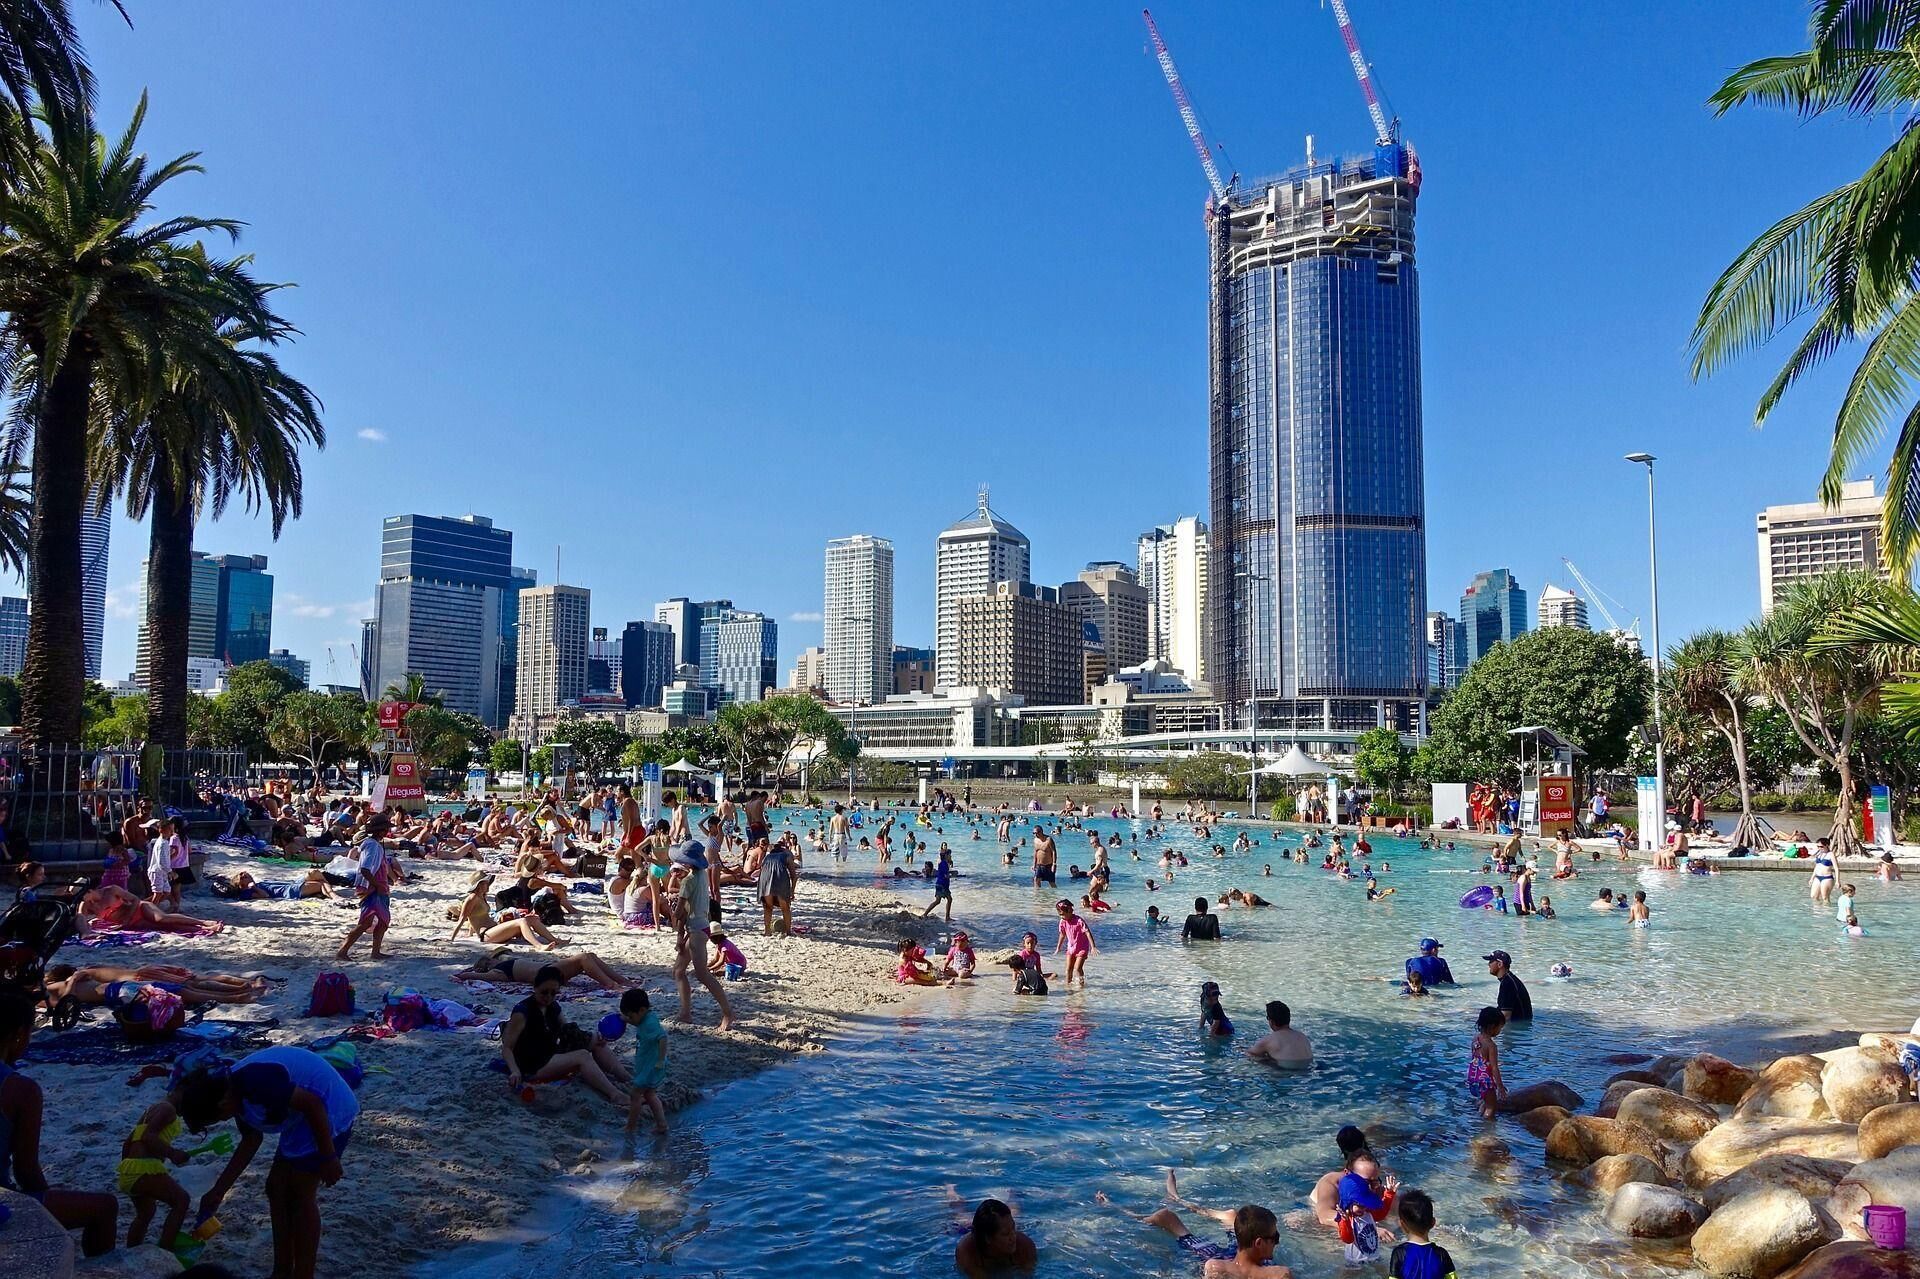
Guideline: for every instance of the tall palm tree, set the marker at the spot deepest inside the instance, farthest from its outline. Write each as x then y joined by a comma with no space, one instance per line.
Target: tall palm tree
1703,678
41,63
205,442
1892,624
108,308
1848,260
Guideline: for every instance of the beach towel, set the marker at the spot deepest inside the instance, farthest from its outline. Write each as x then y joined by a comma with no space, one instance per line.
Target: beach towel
106,940
103,1044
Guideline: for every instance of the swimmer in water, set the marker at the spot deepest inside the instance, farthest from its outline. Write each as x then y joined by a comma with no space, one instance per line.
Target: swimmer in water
1213,1016
1637,914
1248,1251
1415,985
993,1244
1603,902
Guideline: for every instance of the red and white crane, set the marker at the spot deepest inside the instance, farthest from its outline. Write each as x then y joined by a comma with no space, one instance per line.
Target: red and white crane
1382,127
1187,114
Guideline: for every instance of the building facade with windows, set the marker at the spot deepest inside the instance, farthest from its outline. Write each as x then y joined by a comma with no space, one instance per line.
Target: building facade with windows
230,612
13,635
439,611
809,671
1019,638
96,536
1171,565
648,655
1559,607
739,655
1493,610
299,668
553,648
912,670
857,618
1806,539
1109,597
970,557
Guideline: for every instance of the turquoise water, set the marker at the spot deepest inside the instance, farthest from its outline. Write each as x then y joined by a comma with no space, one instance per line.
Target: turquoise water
841,1165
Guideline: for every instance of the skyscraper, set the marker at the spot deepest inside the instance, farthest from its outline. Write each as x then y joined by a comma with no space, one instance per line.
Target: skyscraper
1558,607
1493,610
1806,539
438,609
809,670
13,635
508,680
857,621
552,669
1317,583
739,655
1020,638
1109,598
970,557
230,612
96,529
686,617
1171,563
603,662
1444,638
647,658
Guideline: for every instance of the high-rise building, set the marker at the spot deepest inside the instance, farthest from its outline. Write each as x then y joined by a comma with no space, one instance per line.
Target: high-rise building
857,621
553,648
439,610
1317,580
96,529
1493,610
299,668
508,680
647,660
739,655
912,670
1019,637
13,635
810,670
230,612
1559,607
1108,597
1171,564
969,559
603,663
686,618
1806,539
369,657
1444,638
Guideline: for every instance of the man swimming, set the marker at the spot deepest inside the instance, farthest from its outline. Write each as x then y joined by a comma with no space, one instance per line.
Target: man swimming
1254,1232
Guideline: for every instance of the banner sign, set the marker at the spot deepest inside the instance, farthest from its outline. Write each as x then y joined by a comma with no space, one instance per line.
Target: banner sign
1556,801
1878,820
393,714
404,782
1653,822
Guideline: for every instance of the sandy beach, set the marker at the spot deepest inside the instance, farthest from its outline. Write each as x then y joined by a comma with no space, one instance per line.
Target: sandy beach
438,1130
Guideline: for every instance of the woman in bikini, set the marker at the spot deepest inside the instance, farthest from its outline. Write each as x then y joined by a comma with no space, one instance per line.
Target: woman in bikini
502,965
513,924
116,908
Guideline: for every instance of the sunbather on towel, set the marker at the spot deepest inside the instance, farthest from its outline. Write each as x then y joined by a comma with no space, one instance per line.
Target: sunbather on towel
104,984
116,908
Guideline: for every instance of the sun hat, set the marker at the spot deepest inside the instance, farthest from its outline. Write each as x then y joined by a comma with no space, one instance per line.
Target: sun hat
691,854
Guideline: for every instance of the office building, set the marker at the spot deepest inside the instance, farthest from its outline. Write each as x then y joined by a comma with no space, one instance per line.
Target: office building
603,663
1493,610
739,655
299,668
230,612
96,529
1559,607
1108,597
1018,638
1317,577
647,661
912,670
1444,638
439,611
508,679
970,558
552,670
369,656
809,671
1171,565
686,617
206,675
857,620
689,699
1806,539
13,635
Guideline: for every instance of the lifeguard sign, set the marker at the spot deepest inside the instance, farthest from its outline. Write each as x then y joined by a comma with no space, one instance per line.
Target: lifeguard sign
1556,801
393,714
404,785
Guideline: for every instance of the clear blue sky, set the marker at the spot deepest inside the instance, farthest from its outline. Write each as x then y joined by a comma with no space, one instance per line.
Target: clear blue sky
687,290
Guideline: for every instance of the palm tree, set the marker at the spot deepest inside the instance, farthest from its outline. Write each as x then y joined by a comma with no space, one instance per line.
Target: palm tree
204,443
1893,624
113,311
1822,688
41,63
1848,260
16,515
1703,678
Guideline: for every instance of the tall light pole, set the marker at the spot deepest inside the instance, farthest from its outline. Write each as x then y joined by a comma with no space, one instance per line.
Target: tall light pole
853,709
1659,836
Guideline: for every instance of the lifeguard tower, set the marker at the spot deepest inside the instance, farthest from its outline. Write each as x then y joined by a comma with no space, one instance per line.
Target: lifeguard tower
1547,762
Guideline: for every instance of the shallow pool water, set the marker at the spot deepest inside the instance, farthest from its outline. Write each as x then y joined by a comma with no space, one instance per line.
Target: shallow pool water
842,1165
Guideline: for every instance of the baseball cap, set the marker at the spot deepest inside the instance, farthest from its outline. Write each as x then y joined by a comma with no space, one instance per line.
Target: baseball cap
1500,955
1428,943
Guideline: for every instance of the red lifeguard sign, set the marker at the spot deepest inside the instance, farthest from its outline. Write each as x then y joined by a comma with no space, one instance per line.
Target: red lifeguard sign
1556,800
403,779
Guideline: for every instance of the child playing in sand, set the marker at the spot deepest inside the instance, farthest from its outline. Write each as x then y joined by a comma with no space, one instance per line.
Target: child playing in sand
1030,954
1076,939
914,970
728,960
1483,1068
143,1175
961,960
649,1059
23,1110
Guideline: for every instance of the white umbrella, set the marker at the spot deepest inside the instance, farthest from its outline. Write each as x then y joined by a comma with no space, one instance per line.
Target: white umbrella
684,765
1297,763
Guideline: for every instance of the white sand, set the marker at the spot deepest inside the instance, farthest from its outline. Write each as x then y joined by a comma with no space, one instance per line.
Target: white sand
442,1152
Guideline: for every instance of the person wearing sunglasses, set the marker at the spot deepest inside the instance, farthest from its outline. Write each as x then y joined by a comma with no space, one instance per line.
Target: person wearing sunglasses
1253,1232
539,1045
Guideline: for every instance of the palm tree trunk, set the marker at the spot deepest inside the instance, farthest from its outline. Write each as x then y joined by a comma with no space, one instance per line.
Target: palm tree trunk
169,611
54,677
1747,830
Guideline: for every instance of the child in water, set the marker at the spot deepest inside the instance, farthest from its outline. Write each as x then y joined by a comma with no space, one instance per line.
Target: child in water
1365,1200
1415,986
1030,954
1213,1017
1546,908
914,970
1076,939
1499,902
1843,903
1637,914
649,1059
1154,918
1027,980
1483,1068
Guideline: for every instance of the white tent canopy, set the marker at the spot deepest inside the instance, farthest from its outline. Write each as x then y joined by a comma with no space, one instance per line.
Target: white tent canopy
684,765
1295,763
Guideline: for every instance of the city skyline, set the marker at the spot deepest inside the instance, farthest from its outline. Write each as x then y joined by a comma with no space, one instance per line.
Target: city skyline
1584,375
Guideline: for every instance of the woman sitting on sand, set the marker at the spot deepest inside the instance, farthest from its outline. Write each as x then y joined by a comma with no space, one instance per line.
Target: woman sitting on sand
502,965
107,909
513,924
104,984
528,873
538,1044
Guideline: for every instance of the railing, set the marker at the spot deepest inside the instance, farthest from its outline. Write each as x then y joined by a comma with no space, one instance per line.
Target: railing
54,798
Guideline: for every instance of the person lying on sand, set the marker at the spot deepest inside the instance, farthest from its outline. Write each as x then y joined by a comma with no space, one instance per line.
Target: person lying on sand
502,965
115,908
96,984
244,887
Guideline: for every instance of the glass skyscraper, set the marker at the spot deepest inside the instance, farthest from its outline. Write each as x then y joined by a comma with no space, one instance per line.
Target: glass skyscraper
739,653
1493,610
1317,584
230,612
440,610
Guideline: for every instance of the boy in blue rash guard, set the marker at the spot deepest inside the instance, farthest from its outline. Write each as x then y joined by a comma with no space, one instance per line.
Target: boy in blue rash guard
1417,1257
1433,970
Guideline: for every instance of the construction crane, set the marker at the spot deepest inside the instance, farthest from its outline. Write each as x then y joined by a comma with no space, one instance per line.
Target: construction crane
1382,128
1187,114
1599,599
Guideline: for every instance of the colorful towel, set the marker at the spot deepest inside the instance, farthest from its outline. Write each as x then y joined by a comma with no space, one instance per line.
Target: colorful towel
105,1045
97,941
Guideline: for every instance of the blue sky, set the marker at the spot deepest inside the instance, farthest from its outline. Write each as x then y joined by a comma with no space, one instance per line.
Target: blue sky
687,290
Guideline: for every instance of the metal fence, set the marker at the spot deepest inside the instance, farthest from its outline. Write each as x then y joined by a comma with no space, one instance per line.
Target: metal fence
57,801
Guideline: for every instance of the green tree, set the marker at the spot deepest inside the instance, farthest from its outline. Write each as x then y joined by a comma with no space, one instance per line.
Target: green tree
541,762
124,725
103,309
597,744
750,738
411,687
1703,681
9,701
317,729
1846,263
1207,775
441,738
242,712
1583,686
505,756
1382,760
42,65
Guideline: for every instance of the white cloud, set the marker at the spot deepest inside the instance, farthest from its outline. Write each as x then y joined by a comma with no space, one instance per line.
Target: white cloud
300,606
803,617
372,435
123,602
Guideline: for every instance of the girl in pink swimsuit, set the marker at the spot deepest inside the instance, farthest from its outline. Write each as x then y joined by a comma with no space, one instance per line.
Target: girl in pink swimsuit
1076,939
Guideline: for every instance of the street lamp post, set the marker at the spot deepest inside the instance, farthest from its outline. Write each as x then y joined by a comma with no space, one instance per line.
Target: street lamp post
1253,757
853,709
1659,738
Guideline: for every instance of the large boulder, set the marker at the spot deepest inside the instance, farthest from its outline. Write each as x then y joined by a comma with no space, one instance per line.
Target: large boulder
1759,1234
1888,1128
1814,1178
1668,1115
33,1245
1788,1087
1581,1139
1609,1107
1641,1076
1851,1259
1891,1179
1857,1080
1739,1141
1647,1211
1714,1080
1540,1120
1549,1093
1610,1172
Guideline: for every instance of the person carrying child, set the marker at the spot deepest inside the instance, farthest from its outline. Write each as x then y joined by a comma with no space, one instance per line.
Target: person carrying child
1365,1199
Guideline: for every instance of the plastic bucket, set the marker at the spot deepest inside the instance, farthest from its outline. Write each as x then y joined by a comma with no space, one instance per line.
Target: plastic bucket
1886,1225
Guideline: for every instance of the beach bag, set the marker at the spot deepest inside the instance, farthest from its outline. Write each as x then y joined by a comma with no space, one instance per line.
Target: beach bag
344,1057
332,996
547,907
151,1016
406,1010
